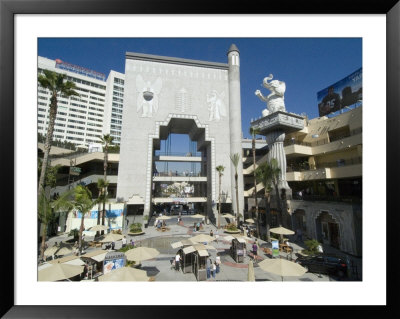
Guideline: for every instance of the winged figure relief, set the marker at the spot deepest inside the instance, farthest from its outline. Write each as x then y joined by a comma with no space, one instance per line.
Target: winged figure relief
216,105
147,100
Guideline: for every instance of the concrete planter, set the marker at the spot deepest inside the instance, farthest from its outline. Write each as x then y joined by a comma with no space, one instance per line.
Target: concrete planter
136,234
232,231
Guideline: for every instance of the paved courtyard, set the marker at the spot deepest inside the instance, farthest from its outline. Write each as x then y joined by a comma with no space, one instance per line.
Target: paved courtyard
160,267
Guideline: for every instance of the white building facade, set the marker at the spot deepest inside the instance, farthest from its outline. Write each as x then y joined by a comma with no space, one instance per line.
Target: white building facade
114,105
79,118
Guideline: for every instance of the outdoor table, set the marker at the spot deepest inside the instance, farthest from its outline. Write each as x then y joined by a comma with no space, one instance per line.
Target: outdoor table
285,248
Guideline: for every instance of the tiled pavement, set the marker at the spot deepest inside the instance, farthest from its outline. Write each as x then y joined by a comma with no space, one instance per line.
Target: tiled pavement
160,267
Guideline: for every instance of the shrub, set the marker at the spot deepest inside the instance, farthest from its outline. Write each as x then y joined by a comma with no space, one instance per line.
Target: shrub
117,231
312,246
126,248
231,227
74,232
136,228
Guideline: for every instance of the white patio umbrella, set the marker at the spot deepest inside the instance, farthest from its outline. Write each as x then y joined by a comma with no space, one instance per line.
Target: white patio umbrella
196,216
250,220
230,216
98,228
203,247
281,231
228,238
63,251
111,237
141,253
202,238
282,267
250,274
59,272
163,217
125,274
51,250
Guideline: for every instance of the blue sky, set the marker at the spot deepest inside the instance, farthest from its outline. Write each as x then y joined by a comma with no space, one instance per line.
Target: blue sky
307,65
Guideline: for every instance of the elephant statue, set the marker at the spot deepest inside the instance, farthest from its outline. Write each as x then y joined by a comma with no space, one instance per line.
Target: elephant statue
275,100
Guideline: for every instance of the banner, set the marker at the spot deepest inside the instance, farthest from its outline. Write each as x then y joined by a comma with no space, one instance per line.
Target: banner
345,92
113,260
275,248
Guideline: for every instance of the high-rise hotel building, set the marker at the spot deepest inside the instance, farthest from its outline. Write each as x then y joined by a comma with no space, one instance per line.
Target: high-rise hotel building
79,118
114,105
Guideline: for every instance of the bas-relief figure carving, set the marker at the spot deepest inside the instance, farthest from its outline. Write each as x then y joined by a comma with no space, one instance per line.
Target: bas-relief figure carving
216,105
275,100
147,100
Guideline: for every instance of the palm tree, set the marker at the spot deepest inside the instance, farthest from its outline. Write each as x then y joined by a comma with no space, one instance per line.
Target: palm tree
220,170
54,82
106,140
254,132
235,158
45,212
264,176
102,199
79,198
45,215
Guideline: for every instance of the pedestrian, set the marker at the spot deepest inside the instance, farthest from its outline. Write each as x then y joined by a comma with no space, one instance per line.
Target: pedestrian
198,227
255,249
124,241
194,226
112,245
132,243
320,249
216,236
214,269
218,263
177,260
208,268
211,233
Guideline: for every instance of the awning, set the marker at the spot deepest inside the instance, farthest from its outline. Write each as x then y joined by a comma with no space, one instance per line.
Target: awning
177,244
63,259
202,253
188,250
76,262
135,200
94,253
100,257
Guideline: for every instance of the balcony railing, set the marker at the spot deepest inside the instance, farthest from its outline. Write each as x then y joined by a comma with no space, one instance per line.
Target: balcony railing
338,163
181,174
325,140
187,154
325,198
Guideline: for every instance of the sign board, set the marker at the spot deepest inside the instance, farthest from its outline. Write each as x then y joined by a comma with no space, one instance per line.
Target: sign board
113,260
337,96
275,248
75,170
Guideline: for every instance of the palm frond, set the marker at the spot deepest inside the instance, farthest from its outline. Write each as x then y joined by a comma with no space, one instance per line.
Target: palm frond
235,158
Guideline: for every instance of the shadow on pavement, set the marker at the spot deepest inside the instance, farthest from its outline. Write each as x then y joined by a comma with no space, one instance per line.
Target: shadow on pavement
151,270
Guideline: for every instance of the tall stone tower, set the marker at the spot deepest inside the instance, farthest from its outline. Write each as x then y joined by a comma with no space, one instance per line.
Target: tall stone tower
236,125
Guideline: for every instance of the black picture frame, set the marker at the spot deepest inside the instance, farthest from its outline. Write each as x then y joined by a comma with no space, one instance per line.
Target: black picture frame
8,10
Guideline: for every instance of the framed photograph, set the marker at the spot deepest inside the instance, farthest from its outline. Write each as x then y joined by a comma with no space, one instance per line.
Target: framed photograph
23,23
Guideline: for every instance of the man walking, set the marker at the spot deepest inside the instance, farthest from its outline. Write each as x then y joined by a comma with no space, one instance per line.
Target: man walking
177,260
